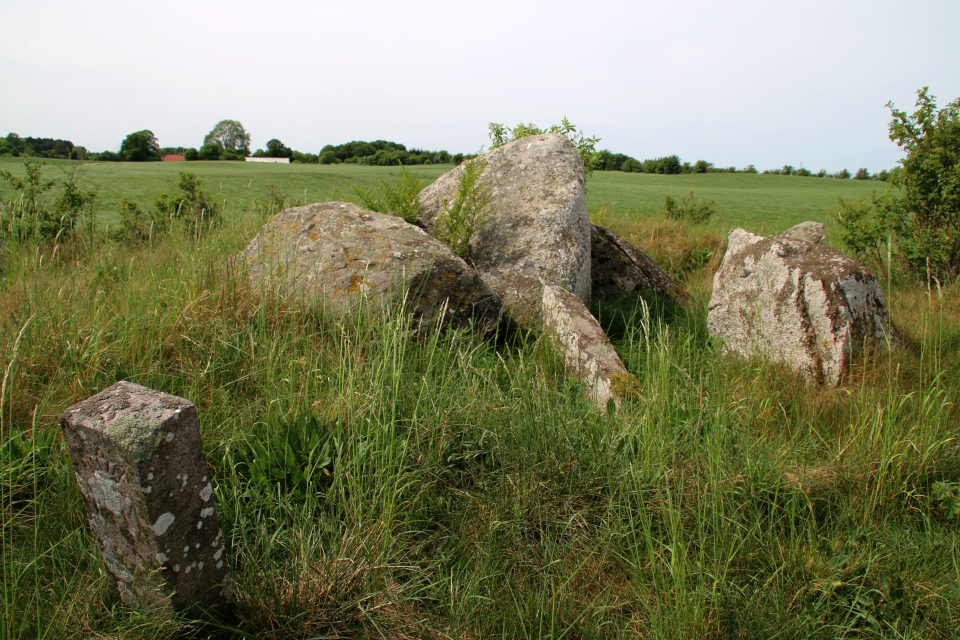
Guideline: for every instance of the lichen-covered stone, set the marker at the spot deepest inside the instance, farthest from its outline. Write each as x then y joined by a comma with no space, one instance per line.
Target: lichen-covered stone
808,231
539,231
139,462
618,268
795,302
587,352
346,258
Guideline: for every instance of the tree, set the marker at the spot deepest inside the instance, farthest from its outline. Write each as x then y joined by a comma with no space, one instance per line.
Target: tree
210,151
921,221
230,134
140,146
276,149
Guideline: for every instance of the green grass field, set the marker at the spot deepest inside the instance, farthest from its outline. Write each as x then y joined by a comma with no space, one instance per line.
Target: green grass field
470,491
759,203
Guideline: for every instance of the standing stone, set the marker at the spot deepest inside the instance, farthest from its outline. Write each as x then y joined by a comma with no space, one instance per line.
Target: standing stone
587,352
139,462
799,303
539,231
618,268
347,258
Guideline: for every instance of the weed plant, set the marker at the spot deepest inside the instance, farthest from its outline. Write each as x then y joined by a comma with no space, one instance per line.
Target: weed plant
378,482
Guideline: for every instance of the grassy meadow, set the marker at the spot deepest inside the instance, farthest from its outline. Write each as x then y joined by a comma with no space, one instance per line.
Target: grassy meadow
373,483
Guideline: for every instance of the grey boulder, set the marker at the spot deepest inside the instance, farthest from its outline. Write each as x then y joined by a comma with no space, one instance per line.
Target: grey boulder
347,258
798,303
618,268
539,230
587,352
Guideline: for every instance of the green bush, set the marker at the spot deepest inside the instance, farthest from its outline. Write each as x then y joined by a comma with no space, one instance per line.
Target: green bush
192,204
631,165
586,147
920,225
467,213
402,198
30,215
688,209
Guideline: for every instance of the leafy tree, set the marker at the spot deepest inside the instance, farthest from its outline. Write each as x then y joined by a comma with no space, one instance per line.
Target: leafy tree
921,222
211,151
632,165
862,174
229,134
191,154
140,146
276,149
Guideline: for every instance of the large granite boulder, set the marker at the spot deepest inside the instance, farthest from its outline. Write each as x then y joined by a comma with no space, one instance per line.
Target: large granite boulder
345,258
796,302
539,230
618,268
586,350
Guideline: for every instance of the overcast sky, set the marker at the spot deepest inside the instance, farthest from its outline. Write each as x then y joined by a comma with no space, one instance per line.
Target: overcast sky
733,82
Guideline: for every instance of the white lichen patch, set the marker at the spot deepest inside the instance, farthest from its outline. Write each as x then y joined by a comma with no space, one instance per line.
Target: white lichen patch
163,523
206,492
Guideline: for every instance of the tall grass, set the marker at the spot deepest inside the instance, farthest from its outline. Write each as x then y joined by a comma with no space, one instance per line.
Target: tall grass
464,488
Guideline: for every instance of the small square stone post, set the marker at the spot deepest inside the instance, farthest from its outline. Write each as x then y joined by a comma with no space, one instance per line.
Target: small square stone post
139,462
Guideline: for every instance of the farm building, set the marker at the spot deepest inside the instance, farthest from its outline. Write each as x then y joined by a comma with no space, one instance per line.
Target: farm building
276,160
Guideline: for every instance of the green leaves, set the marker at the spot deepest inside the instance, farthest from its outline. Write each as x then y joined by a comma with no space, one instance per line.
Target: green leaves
402,198
467,213
294,457
586,146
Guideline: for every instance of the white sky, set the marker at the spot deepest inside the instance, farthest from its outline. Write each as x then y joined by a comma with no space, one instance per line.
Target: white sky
733,82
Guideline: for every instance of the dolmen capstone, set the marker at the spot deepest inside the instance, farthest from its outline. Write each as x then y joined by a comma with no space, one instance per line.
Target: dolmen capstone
139,461
535,251
798,303
346,258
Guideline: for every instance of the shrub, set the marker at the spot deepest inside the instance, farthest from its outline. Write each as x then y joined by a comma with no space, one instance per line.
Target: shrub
192,204
467,213
631,165
862,174
920,226
138,227
30,215
586,147
402,198
688,209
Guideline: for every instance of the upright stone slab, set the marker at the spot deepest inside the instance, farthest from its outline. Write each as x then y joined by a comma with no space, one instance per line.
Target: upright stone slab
587,352
139,462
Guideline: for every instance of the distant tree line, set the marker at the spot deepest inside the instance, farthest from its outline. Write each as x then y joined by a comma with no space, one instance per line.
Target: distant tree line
229,141
14,145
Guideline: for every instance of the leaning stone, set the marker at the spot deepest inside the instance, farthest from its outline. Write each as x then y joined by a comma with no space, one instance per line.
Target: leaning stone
539,231
618,268
813,232
587,352
795,302
347,258
138,459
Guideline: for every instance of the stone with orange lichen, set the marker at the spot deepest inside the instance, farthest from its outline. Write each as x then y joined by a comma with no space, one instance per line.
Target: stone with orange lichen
345,259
